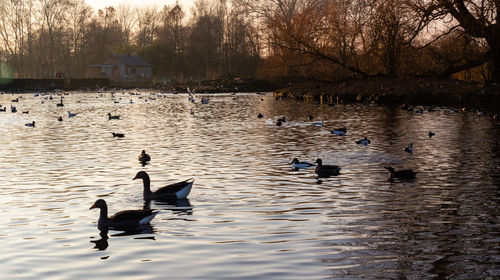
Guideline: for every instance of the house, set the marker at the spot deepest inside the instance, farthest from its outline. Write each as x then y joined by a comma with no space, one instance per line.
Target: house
123,68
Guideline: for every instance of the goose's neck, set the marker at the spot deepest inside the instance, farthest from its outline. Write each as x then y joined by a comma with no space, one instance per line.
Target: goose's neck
147,186
103,216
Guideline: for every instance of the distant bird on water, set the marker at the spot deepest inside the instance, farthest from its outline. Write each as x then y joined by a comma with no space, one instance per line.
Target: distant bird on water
409,149
363,141
300,164
31,124
431,134
122,219
339,131
260,116
111,117
326,170
400,174
60,119
60,104
119,135
70,115
143,157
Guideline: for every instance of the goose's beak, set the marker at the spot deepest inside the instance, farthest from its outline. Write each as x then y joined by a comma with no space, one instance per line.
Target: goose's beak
135,177
93,206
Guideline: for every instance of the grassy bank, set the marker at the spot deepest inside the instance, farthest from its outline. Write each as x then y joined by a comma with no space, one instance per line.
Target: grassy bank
415,91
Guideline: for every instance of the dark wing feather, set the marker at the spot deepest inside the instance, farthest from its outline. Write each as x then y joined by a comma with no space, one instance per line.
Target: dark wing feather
130,215
172,188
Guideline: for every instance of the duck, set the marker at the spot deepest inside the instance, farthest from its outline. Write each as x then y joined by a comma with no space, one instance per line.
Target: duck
339,131
301,164
31,124
204,100
282,119
70,115
409,149
3,110
400,174
111,117
431,134
174,191
310,117
60,104
60,119
143,157
26,112
319,123
122,219
326,170
119,135
13,109
260,116
278,122
363,141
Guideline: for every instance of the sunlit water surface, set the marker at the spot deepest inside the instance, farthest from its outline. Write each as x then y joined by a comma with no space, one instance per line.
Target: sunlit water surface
249,215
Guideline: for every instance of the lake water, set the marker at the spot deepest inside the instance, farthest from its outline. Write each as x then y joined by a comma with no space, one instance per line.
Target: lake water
249,214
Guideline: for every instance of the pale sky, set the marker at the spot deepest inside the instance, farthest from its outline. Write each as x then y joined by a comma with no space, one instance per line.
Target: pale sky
99,4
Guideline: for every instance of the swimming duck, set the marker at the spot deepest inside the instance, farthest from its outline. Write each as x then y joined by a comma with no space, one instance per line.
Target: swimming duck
60,119
143,157
260,116
60,104
119,135
204,100
409,149
326,170
31,124
400,174
26,112
301,164
13,109
15,100
70,115
111,117
122,219
431,134
310,117
278,122
363,141
319,123
3,110
339,131
178,190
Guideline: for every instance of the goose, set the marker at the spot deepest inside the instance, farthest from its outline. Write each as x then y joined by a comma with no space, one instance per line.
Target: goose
119,135
70,115
409,149
339,131
400,174
326,170
178,190
363,141
143,157
301,164
31,124
122,219
111,117
431,134
60,104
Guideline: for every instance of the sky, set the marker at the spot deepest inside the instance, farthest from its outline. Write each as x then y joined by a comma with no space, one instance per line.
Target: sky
99,4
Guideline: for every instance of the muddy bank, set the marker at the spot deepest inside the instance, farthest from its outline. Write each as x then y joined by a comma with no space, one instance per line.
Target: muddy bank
416,91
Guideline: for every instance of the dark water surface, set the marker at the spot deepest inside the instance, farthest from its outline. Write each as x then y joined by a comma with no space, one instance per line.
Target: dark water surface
249,215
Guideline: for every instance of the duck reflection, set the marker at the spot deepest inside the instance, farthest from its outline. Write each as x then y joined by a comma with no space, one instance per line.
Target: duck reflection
177,206
102,244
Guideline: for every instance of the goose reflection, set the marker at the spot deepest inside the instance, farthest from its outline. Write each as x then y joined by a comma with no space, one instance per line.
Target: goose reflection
102,244
178,206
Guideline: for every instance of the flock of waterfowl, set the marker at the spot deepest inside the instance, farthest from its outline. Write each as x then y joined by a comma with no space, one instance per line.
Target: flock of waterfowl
180,190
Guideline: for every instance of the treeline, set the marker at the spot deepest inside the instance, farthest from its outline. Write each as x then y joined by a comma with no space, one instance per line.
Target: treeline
273,39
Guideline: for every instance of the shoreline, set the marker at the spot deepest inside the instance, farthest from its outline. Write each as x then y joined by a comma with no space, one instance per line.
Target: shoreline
387,91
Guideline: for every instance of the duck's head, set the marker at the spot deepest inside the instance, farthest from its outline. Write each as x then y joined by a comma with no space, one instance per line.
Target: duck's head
100,203
319,162
141,175
390,169
295,160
